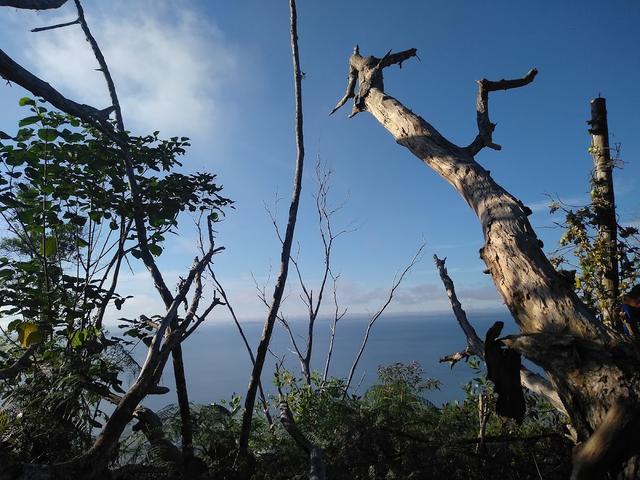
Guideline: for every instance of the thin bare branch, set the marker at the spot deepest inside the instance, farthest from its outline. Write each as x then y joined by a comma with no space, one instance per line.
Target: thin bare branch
58,25
396,283
294,343
476,345
457,356
337,316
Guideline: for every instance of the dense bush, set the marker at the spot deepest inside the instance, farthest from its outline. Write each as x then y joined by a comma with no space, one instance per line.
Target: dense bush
391,432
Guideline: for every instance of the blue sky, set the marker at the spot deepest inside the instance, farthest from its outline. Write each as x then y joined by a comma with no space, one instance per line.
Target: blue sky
220,72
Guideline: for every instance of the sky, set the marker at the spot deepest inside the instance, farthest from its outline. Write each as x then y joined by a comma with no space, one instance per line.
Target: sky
220,73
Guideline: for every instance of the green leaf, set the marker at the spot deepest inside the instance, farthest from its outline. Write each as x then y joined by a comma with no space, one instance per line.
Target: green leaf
26,101
29,121
155,250
6,273
49,247
47,134
4,136
78,338
29,334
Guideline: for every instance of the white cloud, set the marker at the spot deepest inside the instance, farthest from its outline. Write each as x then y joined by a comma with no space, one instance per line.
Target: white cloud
170,64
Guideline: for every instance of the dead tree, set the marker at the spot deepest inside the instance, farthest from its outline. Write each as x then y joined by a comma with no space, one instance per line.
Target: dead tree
593,369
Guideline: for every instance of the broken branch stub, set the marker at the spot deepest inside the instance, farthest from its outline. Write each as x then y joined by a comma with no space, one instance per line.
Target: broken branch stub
485,127
367,72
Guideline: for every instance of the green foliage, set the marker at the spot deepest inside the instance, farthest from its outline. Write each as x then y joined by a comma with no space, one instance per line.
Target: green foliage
581,248
391,432
67,208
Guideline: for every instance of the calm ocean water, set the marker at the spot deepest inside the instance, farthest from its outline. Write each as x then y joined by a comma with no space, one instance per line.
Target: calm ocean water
217,363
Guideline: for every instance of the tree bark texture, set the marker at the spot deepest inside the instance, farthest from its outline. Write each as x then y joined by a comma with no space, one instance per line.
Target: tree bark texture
591,366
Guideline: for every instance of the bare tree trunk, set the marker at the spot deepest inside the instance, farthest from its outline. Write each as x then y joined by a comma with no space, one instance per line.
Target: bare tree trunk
603,200
261,352
592,368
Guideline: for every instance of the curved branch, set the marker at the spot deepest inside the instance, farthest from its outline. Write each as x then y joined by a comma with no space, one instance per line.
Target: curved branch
397,281
317,469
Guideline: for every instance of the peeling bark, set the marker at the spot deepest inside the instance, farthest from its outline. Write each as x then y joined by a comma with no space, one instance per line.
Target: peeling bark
591,366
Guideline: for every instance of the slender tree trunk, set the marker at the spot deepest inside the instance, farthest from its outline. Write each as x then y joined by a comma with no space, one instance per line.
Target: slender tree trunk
149,262
603,200
261,352
593,369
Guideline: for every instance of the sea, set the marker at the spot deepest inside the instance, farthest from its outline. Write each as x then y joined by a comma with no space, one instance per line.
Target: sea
218,366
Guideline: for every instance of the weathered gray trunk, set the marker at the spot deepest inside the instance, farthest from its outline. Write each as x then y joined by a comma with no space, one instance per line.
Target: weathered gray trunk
592,368
603,201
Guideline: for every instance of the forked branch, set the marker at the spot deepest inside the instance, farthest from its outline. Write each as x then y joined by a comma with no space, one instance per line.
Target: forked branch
485,127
